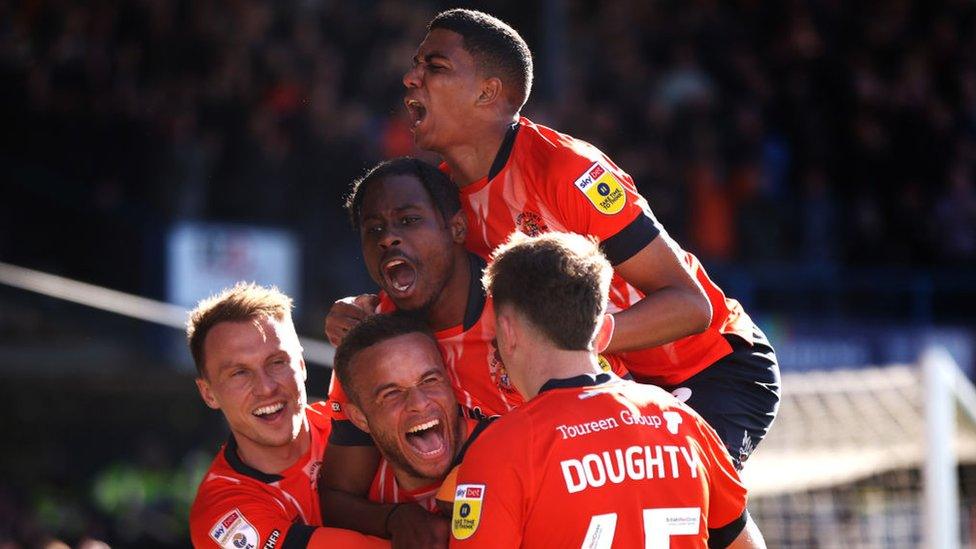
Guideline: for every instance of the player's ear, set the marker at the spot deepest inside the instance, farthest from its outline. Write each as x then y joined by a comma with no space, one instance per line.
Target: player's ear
207,394
491,91
459,227
301,363
604,333
357,417
505,328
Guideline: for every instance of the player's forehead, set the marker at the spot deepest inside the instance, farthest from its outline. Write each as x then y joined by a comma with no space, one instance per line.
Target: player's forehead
246,340
395,192
400,360
442,43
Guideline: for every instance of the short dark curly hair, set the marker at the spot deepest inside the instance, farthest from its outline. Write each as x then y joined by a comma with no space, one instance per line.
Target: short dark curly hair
443,192
497,48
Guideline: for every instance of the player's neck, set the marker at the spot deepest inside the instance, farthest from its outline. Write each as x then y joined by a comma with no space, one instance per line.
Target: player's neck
449,308
471,160
547,363
273,460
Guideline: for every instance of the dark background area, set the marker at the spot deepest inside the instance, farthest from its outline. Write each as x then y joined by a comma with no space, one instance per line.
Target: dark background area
818,156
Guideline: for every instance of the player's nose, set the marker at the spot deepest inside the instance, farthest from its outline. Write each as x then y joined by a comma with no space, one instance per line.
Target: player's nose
265,383
412,78
390,239
417,399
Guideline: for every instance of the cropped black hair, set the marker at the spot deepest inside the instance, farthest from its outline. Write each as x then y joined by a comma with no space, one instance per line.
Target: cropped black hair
497,48
443,193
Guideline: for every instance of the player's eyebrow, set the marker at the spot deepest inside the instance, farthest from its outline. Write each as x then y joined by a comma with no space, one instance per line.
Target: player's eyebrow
399,209
430,56
433,370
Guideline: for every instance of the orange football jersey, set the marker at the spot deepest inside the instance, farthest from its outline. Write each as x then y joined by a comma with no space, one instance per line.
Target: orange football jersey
543,181
596,461
239,507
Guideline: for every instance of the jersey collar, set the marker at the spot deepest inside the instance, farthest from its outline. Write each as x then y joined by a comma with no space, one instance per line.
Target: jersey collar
230,454
584,380
504,151
476,292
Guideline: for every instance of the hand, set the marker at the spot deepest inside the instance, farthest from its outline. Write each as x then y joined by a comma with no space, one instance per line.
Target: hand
412,526
346,313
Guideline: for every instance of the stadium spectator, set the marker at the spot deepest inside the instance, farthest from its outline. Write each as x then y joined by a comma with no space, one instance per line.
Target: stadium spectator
587,450
262,487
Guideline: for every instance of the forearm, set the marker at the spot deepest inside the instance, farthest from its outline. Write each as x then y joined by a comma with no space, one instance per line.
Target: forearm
663,316
344,510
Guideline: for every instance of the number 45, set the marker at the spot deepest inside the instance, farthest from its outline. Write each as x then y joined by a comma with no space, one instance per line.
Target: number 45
659,526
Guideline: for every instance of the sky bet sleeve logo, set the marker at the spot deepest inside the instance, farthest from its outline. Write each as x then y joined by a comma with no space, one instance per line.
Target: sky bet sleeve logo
602,189
467,509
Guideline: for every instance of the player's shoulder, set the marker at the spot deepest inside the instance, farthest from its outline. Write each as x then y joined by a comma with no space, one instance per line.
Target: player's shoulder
222,491
555,150
319,415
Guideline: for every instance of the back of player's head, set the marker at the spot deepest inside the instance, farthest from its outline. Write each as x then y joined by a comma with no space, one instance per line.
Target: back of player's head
497,49
558,281
443,193
374,330
243,302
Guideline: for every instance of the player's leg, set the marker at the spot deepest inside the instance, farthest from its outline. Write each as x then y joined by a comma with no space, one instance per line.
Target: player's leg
738,395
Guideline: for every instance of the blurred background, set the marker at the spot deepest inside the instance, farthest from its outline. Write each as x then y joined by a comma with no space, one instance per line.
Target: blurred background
818,156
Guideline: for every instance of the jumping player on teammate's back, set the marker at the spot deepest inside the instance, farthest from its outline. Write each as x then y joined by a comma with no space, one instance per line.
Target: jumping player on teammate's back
260,490
589,460
470,78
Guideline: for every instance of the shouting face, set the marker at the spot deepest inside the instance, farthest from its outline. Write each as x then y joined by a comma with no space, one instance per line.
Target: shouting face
406,403
407,245
443,87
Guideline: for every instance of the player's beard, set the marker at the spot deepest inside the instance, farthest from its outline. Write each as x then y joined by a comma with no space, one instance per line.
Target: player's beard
423,311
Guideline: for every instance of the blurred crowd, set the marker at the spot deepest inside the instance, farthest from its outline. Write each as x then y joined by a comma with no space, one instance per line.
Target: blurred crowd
814,132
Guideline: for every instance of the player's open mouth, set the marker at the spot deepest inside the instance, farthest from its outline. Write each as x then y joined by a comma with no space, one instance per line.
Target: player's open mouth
400,276
418,112
427,439
270,412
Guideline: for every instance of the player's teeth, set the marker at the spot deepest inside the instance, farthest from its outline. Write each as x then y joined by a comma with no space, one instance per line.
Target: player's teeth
269,409
425,426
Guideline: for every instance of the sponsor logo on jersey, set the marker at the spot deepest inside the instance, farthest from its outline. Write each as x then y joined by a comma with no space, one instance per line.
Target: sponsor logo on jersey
530,223
233,531
336,407
602,189
604,364
467,509
673,419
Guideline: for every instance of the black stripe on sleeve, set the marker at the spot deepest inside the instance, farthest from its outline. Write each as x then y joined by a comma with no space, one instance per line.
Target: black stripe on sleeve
630,240
345,433
298,536
719,538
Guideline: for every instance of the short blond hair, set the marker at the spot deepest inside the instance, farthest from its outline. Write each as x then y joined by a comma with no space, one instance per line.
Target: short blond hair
245,301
